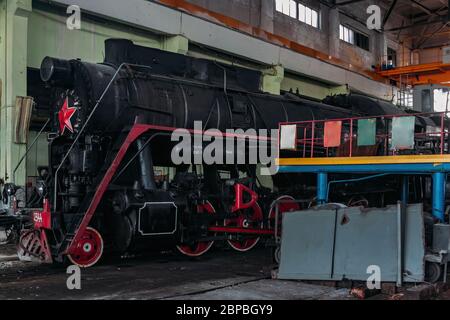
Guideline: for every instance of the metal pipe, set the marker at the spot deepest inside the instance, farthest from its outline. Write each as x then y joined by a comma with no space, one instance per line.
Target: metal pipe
399,244
405,190
28,150
322,186
354,180
146,166
439,195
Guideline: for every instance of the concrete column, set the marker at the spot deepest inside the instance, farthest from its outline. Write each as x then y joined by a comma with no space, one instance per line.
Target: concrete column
267,15
272,79
176,44
379,47
333,35
13,77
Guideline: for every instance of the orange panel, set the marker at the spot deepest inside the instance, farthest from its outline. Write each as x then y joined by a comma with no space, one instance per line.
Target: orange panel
332,134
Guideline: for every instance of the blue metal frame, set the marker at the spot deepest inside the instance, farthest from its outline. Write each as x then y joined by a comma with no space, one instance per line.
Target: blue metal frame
322,187
438,171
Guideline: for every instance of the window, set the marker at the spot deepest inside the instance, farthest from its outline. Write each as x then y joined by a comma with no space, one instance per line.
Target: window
353,37
392,57
305,13
308,15
288,7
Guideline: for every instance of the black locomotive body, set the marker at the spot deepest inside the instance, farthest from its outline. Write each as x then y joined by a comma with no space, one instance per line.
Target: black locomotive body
145,200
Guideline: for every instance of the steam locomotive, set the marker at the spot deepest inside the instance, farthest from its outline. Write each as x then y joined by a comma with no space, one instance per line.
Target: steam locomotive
111,184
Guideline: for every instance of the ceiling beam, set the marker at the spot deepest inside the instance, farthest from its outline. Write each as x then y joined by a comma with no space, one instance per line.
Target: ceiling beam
421,23
415,36
388,14
423,41
348,2
422,7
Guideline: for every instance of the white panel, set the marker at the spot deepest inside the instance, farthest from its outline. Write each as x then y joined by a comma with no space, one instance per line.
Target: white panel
288,137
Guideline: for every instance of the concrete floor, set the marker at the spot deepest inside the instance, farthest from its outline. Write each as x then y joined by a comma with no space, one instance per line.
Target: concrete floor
219,275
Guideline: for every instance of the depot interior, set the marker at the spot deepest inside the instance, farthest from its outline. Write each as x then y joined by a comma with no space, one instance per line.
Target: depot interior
319,51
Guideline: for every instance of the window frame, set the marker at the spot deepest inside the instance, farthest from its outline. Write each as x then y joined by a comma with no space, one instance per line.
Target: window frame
352,36
313,19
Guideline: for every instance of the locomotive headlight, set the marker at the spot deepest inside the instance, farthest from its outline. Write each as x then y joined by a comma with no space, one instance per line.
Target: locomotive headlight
10,189
57,70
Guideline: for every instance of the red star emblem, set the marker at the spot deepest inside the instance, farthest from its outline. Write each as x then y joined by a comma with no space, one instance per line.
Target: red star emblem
64,116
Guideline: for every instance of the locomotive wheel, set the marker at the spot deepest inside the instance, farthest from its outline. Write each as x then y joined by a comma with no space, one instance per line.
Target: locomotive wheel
199,248
243,220
88,250
277,254
433,272
282,208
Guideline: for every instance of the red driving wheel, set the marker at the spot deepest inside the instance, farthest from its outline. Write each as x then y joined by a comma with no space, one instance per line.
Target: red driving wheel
286,204
88,250
199,248
250,218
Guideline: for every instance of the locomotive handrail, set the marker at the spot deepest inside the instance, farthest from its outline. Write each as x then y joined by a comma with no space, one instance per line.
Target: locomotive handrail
384,116
317,141
28,150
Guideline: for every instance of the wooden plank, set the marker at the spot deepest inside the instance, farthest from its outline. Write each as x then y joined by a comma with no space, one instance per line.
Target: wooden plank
23,109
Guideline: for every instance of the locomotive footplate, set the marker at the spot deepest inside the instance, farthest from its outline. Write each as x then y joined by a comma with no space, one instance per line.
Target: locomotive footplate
247,231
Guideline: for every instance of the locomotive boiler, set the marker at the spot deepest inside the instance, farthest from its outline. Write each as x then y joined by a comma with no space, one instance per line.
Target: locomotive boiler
111,184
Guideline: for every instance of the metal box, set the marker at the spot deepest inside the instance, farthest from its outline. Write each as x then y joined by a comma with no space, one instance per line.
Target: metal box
338,244
441,237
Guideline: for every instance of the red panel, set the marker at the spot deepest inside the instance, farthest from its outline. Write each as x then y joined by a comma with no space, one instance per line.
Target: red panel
43,219
332,134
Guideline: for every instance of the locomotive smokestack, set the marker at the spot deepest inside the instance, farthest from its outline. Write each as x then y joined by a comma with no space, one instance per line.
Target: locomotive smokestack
117,51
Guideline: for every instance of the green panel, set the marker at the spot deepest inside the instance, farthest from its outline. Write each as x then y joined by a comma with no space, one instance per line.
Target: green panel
306,87
272,80
403,133
367,132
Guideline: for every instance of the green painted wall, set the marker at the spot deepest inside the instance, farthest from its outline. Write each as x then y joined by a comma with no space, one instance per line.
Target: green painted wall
13,64
49,36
